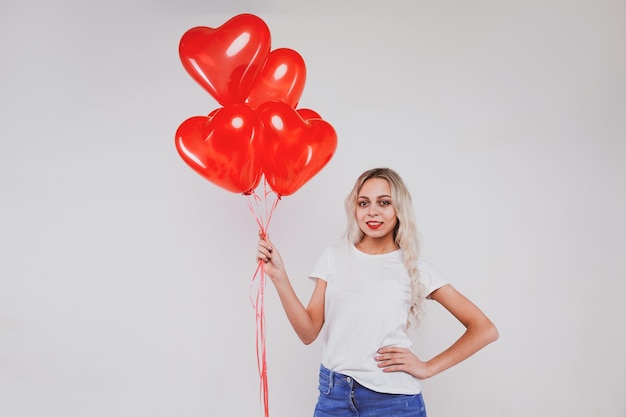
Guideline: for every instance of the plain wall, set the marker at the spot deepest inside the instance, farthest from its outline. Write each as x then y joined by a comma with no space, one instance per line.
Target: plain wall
125,277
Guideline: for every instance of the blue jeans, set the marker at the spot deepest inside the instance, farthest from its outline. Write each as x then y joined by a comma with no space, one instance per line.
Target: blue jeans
341,395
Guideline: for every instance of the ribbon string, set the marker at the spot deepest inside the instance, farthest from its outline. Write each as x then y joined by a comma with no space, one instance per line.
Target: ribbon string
262,213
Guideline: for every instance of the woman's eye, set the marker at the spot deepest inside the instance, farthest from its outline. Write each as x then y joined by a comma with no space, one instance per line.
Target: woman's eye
363,203
384,202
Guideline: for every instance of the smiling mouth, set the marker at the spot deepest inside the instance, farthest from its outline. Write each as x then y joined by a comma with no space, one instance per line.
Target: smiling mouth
374,225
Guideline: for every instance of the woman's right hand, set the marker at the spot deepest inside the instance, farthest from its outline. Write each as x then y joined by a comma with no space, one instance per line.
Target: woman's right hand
273,263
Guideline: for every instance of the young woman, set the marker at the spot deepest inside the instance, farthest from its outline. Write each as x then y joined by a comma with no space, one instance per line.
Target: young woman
367,292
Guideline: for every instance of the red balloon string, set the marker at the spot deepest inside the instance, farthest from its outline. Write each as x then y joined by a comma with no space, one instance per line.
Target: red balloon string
259,208
261,352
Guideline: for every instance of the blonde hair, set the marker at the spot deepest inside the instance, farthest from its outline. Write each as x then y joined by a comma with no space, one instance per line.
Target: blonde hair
405,233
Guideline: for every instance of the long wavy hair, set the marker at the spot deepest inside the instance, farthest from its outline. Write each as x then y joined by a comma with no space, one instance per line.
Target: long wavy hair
404,234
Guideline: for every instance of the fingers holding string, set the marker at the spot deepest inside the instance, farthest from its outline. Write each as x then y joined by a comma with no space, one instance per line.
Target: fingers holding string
264,250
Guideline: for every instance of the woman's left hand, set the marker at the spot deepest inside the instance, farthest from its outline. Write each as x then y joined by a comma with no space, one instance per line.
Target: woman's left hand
396,359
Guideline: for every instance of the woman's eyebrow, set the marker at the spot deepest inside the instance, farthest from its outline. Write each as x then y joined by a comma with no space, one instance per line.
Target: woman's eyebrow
380,196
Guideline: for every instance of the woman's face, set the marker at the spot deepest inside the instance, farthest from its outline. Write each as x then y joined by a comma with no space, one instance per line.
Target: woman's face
375,213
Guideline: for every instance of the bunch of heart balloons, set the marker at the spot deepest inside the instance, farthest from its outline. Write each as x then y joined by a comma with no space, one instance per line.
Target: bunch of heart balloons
259,131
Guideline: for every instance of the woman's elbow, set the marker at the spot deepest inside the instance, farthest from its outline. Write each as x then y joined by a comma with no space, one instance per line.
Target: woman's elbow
307,339
484,331
491,333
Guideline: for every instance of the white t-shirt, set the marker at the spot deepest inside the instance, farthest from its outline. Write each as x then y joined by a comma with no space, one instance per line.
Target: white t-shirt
366,308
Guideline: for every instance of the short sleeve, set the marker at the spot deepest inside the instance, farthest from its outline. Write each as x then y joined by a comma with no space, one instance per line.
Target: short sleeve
322,267
429,277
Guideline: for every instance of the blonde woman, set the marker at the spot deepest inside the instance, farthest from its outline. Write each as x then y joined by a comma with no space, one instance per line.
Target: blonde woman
368,291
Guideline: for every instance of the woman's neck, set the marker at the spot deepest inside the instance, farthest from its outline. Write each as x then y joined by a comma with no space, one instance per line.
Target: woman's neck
376,246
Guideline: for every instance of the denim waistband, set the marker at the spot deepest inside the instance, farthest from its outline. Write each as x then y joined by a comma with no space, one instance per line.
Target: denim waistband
336,378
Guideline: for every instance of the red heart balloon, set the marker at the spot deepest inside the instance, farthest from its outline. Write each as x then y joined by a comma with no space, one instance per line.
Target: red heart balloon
308,114
223,147
293,149
281,79
226,60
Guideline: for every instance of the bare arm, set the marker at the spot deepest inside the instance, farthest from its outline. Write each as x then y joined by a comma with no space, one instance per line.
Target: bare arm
479,332
306,321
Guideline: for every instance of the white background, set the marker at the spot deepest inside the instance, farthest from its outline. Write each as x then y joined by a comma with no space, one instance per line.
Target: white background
125,277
